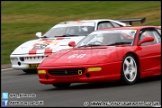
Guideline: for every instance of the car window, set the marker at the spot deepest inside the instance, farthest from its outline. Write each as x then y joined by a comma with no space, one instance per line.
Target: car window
116,25
157,37
159,30
108,37
69,30
152,33
103,25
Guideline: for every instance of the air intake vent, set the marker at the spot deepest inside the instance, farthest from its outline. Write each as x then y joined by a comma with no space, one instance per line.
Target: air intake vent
74,71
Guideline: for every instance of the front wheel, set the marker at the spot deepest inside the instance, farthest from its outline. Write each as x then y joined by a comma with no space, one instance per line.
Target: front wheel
61,85
129,74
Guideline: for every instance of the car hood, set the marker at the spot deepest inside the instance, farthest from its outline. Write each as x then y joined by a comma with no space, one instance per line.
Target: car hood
45,44
81,56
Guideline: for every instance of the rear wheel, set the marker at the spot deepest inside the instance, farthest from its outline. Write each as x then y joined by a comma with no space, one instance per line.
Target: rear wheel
61,85
129,73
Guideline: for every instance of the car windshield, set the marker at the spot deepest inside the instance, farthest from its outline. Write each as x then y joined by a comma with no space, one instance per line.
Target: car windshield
69,31
108,38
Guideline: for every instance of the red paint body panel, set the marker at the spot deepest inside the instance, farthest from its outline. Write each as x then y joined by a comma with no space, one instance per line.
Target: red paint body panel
48,51
107,74
108,57
32,52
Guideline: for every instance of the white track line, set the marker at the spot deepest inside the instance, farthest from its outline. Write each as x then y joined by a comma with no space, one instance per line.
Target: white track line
6,69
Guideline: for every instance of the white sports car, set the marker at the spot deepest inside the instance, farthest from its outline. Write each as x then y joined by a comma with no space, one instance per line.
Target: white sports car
31,53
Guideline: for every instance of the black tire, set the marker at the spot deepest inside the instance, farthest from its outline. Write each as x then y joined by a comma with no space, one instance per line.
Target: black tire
30,70
129,72
61,85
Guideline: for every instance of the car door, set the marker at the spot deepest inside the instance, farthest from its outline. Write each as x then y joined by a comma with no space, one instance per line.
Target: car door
150,55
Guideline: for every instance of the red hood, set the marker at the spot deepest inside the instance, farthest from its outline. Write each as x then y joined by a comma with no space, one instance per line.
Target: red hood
81,56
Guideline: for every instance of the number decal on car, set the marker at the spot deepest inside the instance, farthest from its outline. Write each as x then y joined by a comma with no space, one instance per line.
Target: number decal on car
76,56
40,46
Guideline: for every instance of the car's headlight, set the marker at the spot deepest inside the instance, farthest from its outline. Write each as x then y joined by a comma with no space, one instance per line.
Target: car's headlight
41,72
14,59
93,69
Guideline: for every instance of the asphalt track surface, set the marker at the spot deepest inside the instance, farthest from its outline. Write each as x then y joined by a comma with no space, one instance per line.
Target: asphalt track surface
79,94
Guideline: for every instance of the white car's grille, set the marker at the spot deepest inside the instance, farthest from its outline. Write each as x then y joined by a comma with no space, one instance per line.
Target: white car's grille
38,57
32,58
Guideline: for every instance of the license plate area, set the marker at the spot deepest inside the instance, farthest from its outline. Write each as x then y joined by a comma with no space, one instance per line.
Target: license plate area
33,65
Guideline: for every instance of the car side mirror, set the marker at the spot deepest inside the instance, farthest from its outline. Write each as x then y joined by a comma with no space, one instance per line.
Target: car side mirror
39,34
146,39
72,44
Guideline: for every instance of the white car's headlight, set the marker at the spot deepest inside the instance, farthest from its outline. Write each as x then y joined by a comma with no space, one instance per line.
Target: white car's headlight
14,59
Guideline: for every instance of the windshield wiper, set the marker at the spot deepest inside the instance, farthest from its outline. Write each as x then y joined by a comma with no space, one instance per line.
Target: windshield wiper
119,43
44,37
66,35
90,45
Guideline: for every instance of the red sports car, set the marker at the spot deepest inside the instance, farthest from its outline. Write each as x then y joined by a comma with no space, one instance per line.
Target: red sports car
117,54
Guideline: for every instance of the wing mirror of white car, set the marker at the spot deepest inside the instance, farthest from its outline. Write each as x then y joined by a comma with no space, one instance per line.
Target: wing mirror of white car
72,44
39,34
146,39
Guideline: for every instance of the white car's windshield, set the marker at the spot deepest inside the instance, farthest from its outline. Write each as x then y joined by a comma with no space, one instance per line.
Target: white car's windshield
69,31
108,38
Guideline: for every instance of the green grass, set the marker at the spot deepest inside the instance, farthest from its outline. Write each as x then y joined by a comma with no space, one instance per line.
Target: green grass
20,20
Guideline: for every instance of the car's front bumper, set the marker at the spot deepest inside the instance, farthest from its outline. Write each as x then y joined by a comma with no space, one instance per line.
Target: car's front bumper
109,72
26,61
